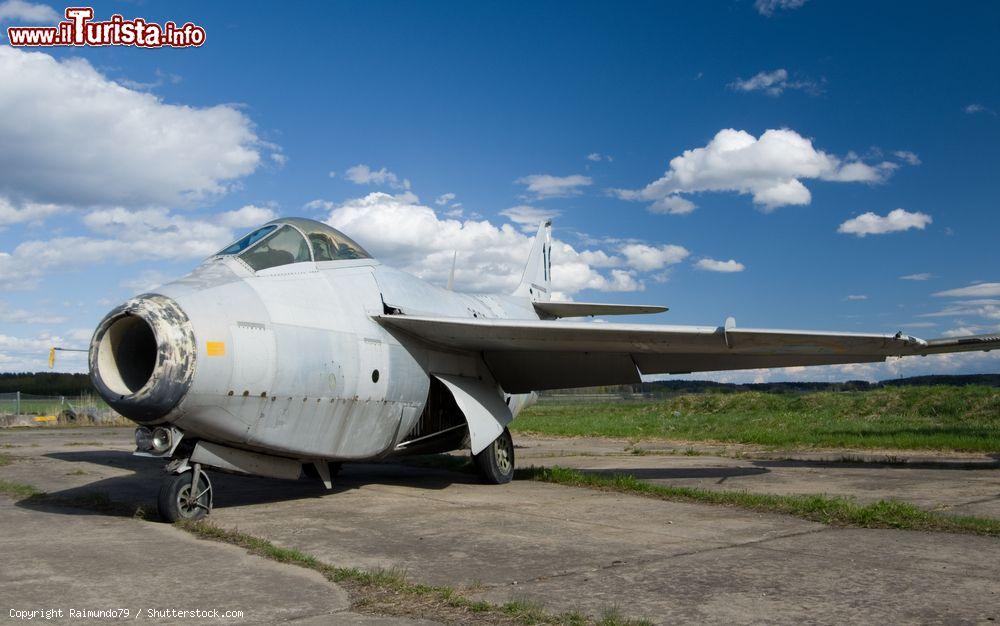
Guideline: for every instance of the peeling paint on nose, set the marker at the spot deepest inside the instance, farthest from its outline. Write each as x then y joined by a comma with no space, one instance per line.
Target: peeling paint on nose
142,358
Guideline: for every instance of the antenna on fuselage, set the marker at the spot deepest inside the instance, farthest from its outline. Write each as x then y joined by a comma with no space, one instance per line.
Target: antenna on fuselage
451,276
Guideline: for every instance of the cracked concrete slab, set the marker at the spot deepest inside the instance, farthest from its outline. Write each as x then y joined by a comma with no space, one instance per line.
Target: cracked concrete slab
579,549
967,484
70,558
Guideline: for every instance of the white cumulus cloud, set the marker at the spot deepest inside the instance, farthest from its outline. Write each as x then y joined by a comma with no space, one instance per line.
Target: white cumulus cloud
26,213
919,276
673,205
362,174
528,217
124,236
774,83
645,258
896,221
83,139
712,265
978,290
549,186
769,7
246,217
770,168
402,232
23,316
28,12
976,107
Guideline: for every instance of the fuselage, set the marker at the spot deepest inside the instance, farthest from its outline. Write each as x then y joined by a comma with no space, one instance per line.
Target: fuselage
287,359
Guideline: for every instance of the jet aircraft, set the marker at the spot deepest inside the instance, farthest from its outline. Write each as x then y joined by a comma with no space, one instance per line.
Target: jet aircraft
293,350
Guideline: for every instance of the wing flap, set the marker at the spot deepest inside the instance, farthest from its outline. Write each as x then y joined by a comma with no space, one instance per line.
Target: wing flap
688,363
585,309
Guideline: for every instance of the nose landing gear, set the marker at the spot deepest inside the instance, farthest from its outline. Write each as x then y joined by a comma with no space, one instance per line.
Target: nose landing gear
185,496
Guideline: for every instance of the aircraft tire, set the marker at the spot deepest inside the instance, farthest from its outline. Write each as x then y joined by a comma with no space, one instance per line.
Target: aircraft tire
496,461
174,502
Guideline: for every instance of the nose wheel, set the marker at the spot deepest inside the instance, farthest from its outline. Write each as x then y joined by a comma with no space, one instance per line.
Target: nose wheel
496,461
186,496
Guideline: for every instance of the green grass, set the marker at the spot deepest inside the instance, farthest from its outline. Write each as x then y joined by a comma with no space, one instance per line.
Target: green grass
18,490
4,459
834,511
389,592
943,418
49,406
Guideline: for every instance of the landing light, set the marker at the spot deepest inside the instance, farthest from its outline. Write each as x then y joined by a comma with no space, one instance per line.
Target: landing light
162,438
143,439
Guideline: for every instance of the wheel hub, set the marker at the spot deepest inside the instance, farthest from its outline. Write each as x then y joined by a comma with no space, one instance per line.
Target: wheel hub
502,457
189,504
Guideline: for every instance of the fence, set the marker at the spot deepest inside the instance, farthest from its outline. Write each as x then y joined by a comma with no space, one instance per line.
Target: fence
579,398
23,409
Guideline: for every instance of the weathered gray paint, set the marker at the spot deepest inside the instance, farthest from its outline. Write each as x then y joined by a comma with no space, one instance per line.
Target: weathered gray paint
302,343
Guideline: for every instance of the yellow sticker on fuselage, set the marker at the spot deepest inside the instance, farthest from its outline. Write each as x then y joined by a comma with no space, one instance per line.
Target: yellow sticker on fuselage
215,348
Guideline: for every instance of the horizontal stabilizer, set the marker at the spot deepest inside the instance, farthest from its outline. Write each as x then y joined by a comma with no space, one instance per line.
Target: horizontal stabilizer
583,309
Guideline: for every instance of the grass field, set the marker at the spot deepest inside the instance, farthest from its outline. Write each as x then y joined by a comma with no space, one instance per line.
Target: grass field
940,418
48,406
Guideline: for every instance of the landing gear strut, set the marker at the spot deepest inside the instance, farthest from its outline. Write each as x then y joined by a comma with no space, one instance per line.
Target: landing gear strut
185,496
496,461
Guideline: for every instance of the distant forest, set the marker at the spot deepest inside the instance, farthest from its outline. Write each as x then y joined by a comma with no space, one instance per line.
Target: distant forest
61,384
46,383
699,386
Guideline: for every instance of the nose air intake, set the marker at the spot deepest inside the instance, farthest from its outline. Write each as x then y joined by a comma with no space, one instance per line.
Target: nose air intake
127,355
142,358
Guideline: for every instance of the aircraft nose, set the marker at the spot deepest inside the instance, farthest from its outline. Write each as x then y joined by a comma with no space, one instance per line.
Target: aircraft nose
142,357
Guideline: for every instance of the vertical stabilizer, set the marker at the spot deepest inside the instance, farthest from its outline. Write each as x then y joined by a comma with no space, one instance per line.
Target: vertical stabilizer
536,282
451,276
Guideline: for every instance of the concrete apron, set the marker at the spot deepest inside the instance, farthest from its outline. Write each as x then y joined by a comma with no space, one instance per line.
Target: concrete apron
567,548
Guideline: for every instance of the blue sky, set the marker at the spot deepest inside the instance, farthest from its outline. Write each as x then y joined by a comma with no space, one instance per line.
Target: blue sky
819,151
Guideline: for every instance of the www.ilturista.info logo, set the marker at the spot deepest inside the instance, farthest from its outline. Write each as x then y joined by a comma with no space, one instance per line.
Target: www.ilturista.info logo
79,29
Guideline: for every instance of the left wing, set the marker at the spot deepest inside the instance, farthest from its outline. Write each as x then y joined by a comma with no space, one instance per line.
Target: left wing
527,355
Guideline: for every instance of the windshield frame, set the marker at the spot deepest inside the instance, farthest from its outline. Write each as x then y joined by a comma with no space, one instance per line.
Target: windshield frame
276,227
271,228
251,250
304,227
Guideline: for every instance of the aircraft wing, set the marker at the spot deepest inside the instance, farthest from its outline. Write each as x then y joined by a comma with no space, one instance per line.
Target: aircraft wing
527,355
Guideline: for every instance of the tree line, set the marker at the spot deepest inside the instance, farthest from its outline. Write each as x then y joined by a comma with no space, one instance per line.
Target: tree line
65,384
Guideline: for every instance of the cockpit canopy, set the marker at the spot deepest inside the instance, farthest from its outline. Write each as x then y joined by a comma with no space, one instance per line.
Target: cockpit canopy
293,240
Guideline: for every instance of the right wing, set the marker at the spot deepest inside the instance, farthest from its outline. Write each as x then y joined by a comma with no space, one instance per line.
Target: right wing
528,355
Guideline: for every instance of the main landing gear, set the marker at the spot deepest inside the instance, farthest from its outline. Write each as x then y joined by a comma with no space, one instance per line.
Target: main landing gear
496,461
185,496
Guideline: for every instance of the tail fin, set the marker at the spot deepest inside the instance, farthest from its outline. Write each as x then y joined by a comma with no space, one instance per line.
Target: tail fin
451,276
536,282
